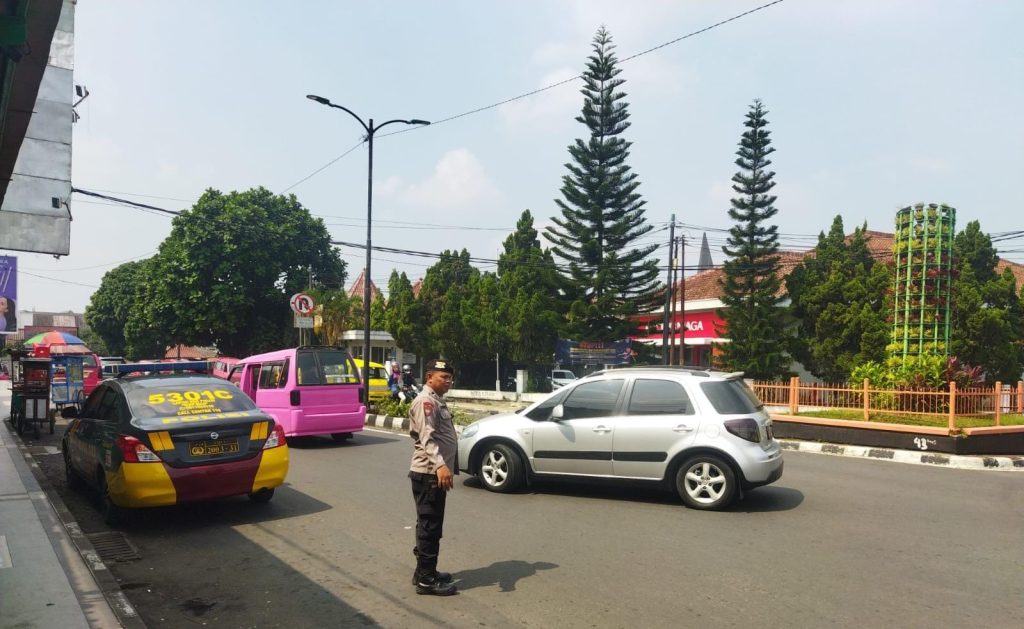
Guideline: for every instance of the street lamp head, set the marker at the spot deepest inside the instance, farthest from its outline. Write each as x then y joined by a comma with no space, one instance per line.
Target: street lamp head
417,121
319,99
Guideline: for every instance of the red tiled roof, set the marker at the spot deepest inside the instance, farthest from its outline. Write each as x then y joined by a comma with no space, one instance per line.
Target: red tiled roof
706,284
357,289
190,353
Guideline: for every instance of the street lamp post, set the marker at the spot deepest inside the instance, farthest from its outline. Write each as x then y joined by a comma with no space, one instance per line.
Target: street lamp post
370,131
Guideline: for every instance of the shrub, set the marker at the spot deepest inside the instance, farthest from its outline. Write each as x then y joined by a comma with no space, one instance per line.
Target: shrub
393,408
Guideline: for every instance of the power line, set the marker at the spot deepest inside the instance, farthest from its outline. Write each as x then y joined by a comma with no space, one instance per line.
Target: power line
542,89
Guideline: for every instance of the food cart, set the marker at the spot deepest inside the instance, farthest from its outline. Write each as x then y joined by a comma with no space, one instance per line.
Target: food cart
30,393
66,381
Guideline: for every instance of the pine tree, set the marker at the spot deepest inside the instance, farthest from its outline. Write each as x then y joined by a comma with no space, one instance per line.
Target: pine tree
754,323
608,276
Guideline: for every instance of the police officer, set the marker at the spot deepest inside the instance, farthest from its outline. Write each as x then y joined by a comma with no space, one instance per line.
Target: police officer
434,463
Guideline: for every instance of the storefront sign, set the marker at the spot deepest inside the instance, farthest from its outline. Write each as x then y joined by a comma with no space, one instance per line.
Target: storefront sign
696,325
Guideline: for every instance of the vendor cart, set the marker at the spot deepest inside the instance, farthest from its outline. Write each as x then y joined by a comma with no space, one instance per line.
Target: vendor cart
66,381
30,393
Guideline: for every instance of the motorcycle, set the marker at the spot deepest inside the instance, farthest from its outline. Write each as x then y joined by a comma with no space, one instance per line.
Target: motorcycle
408,392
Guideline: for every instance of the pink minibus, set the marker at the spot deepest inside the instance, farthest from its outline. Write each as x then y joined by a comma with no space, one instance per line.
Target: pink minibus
310,390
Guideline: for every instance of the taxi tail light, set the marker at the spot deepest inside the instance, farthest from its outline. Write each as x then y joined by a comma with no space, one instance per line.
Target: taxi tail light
294,397
745,428
134,451
276,438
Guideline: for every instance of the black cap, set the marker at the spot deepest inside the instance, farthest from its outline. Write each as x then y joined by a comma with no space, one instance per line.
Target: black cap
439,364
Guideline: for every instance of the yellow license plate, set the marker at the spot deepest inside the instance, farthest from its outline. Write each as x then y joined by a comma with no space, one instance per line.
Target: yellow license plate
213,448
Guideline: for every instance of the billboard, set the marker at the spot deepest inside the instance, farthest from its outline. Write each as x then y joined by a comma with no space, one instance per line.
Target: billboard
593,352
8,294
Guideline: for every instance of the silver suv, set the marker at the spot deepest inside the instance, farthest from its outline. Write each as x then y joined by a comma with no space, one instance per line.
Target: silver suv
703,433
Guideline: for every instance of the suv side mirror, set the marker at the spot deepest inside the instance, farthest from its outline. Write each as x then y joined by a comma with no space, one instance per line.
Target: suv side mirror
558,412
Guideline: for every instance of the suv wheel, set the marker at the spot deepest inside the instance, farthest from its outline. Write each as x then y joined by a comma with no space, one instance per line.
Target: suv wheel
706,482
501,470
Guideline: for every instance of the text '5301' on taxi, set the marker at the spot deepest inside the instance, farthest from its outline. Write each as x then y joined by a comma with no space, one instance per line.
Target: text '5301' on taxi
160,434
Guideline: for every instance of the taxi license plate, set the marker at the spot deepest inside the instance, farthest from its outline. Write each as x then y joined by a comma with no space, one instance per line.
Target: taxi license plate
213,448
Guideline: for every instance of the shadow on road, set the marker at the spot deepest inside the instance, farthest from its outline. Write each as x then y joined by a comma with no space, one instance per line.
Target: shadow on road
504,574
323,442
761,500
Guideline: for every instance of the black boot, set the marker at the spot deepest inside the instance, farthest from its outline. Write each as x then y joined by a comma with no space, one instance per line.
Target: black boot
443,577
435,587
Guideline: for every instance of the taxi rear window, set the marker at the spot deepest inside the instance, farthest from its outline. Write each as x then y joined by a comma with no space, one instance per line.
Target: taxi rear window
178,399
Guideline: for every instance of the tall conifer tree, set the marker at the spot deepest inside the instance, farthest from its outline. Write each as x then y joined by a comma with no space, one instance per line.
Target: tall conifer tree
754,322
607,276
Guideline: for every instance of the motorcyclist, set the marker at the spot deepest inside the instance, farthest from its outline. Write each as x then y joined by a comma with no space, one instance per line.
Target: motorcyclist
408,380
409,389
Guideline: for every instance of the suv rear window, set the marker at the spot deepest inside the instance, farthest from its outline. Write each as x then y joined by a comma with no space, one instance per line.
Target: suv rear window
731,397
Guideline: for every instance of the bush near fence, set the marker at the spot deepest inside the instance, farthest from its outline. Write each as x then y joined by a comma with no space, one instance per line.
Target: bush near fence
975,406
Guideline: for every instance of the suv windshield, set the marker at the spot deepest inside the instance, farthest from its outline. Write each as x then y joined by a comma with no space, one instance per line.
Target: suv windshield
731,397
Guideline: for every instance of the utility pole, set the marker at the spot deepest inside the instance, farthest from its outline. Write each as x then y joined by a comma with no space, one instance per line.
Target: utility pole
682,299
668,294
672,309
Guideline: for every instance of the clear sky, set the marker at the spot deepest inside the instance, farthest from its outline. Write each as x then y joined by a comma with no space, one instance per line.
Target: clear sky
874,105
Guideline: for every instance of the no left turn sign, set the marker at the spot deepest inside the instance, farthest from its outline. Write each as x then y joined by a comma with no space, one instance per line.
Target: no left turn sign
301,303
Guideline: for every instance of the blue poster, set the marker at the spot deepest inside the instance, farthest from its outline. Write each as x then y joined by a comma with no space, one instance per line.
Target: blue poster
8,294
593,352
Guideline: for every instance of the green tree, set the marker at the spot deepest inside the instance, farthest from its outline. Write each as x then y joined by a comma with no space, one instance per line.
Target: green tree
530,300
112,303
754,322
337,311
378,313
446,285
988,317
608,275
225,273
838,305
404,316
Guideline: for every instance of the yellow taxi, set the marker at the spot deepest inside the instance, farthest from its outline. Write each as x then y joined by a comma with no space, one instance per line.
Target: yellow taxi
150,437
378,389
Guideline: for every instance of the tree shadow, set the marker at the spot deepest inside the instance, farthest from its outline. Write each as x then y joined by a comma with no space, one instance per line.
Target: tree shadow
504,574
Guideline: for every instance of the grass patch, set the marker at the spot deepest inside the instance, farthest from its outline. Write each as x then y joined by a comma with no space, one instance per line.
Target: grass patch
934,421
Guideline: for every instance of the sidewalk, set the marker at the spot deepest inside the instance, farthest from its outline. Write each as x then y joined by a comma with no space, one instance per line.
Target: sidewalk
44,578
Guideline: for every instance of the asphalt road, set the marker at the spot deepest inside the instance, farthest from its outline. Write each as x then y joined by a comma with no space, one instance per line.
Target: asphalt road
837,542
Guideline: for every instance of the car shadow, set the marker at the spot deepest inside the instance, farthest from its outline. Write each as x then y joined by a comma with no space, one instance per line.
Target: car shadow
504,574
762,499
326,442
231,511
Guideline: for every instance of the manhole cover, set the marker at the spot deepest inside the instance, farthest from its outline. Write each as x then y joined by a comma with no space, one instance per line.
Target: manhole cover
113,546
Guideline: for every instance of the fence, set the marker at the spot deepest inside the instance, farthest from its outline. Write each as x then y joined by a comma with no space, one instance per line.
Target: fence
979,404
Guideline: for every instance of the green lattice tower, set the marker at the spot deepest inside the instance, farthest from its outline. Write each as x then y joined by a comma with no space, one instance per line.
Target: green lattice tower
923,253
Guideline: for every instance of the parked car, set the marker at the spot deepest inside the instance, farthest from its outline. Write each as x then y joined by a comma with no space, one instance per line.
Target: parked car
378,380
91,372
221,366
704,434
561,377
147,439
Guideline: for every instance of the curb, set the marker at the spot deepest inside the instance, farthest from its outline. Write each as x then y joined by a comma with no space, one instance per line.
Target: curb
1006,463
105,581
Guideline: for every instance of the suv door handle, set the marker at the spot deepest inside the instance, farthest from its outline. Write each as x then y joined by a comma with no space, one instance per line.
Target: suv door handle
683,428
602,429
